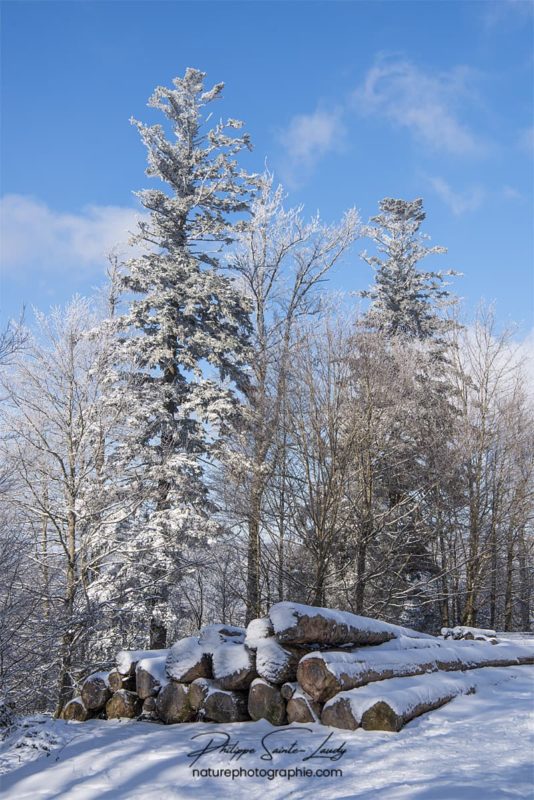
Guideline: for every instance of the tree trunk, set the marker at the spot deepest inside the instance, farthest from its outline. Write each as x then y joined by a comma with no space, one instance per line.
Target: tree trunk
253,609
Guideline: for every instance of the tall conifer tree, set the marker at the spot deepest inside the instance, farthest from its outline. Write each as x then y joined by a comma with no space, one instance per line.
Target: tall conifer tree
185,335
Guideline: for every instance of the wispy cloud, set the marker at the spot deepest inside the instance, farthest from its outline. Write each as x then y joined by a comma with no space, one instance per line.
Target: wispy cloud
511,193
458,202
426,104
309,137
526,140
34,236
497,12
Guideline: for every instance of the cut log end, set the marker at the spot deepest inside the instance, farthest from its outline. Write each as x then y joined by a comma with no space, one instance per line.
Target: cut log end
123,704
339,715
266,702
381,717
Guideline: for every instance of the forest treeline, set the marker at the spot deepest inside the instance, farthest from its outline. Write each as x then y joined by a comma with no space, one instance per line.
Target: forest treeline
216,431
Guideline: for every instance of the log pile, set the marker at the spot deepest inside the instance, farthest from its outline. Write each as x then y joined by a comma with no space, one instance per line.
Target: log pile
298,664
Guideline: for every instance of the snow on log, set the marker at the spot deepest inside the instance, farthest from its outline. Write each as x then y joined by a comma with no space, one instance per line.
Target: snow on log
298,624
172,704
75,711
187,660
301,708
392,703
288,690
276,663
322,675
95,691
150,676
123,704
212,636
266,702
465,632
234,667
127,659
223,706
257,630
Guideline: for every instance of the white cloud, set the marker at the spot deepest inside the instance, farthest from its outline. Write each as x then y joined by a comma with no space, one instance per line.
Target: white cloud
425,104
35,236
308,138
458,202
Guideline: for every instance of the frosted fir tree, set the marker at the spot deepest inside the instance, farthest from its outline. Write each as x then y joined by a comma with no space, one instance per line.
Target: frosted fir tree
185,339
408,305
405,300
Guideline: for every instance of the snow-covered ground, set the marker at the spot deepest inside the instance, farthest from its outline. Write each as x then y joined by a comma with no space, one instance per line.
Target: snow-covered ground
476,747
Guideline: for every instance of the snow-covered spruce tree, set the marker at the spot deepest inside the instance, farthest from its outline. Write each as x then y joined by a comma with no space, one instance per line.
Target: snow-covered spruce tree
407,307
184,342
405,300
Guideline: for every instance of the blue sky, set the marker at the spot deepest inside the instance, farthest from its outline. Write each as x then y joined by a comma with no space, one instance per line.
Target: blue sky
347,101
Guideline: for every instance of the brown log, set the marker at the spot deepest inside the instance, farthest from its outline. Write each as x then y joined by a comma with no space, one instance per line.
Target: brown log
117,681
266,702
390,704
223,706
149,708
148,682
382,717
172,704
288,690
199,690
338,714
187,661
75,711
234,667
95,691
123,704
301,708
298,624
278,663
328,673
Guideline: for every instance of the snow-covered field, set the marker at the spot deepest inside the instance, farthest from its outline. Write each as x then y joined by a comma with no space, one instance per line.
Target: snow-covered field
478,747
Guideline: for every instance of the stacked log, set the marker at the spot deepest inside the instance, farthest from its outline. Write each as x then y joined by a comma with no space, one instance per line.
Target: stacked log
299,664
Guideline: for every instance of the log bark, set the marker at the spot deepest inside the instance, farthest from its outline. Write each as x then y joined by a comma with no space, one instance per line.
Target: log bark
297,624
123,704
266,702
